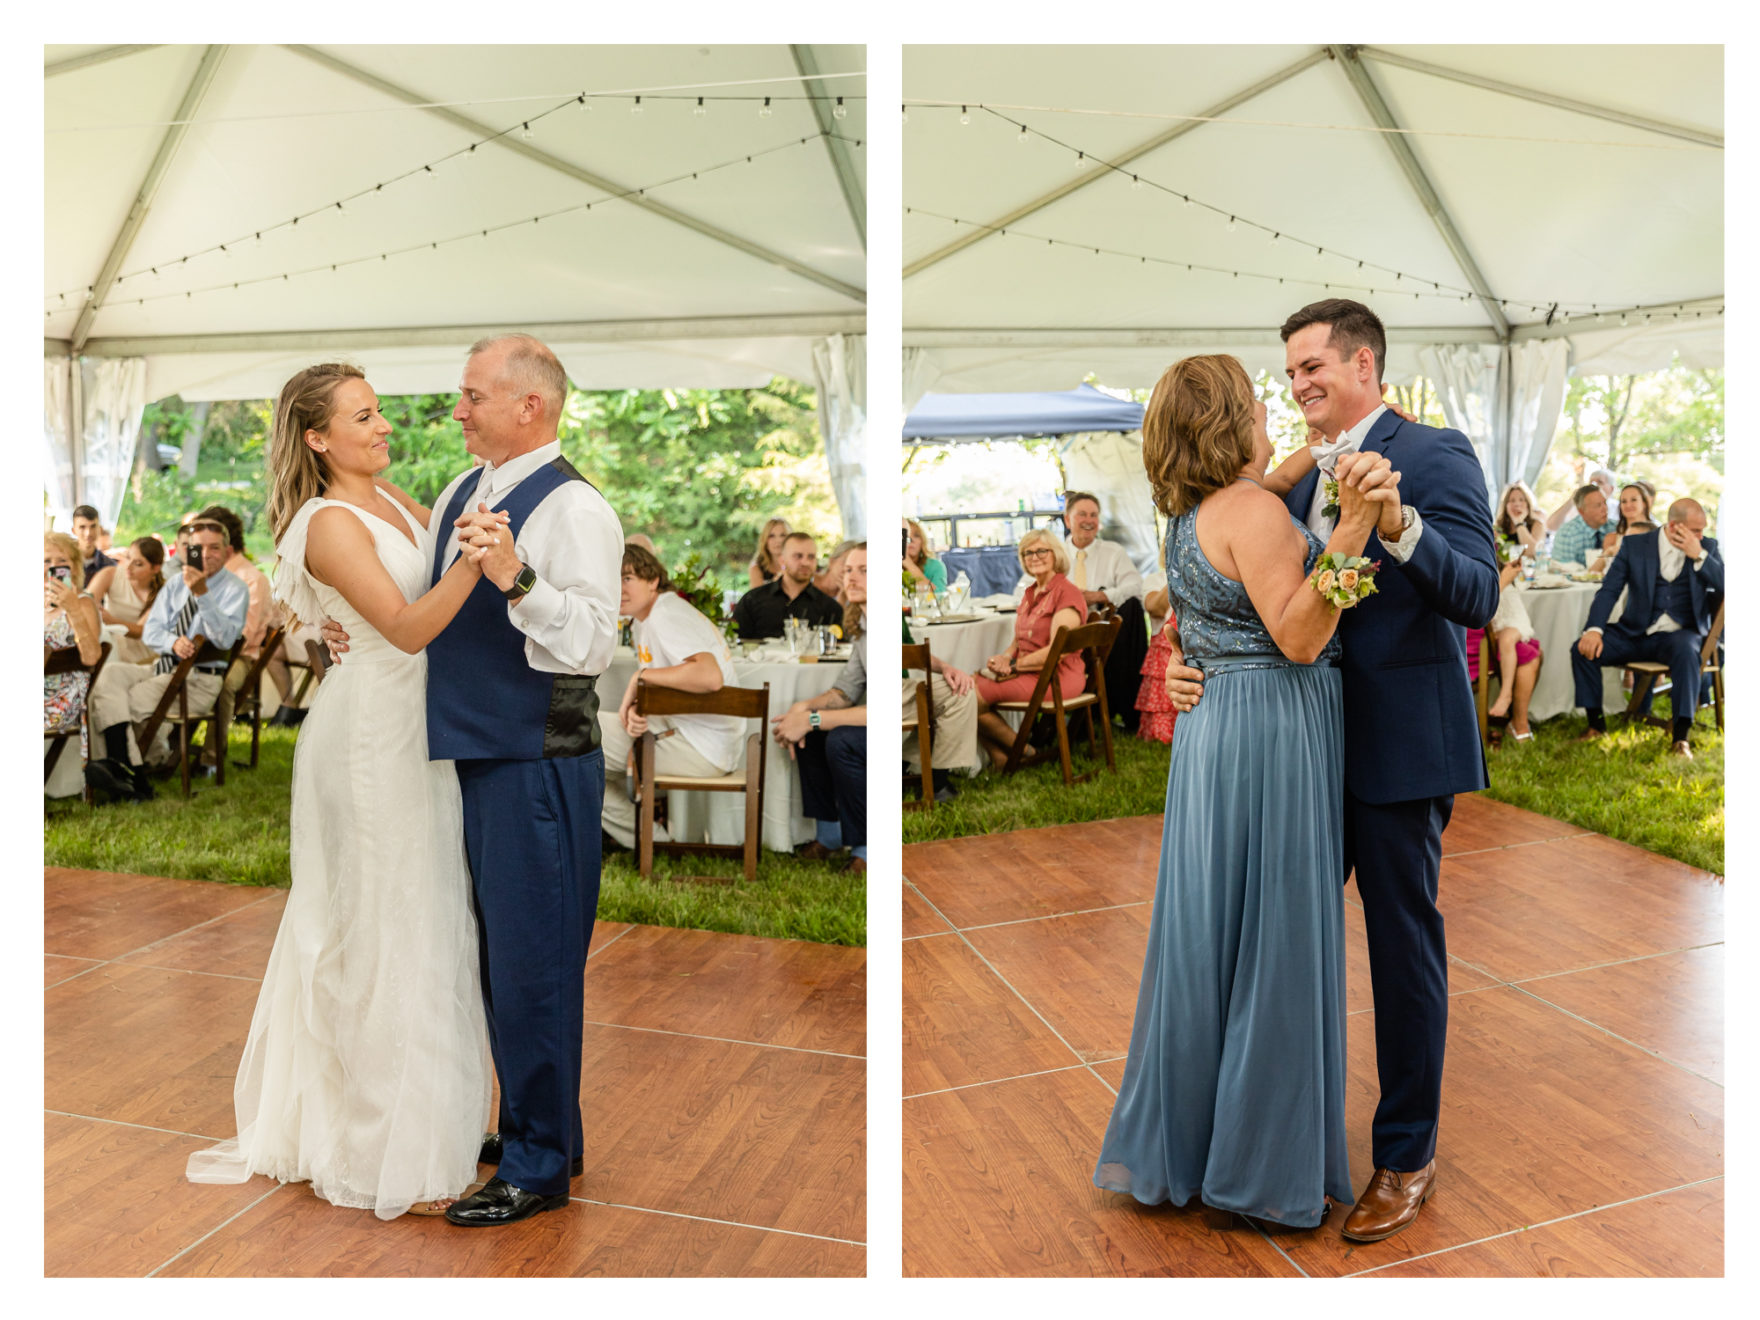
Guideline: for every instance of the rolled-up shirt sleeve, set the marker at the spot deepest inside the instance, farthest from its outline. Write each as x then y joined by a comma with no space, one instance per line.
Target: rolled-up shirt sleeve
574,543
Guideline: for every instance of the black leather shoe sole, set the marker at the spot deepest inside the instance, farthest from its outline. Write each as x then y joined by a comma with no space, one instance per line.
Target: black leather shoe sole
491,1154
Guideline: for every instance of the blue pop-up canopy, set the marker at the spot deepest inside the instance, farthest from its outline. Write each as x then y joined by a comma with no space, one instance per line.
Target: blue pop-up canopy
999,416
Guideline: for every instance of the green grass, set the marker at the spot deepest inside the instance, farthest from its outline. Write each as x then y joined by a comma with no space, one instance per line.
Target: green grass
239,835
1622,786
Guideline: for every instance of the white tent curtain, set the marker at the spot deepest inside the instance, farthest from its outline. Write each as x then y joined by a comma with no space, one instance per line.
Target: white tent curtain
1110,465
1536,398
57,445
840,369
115,395
1465,377
1470,380
920,373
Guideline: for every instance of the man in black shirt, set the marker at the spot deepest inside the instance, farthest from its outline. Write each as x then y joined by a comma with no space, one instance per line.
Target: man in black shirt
791,595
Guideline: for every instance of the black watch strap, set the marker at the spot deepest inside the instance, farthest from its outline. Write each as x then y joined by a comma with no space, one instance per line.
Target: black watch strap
522,583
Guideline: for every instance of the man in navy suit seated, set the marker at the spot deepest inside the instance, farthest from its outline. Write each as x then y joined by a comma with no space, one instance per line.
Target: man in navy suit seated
1675,583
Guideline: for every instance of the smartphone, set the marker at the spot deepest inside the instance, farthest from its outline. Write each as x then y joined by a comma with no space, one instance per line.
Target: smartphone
905,541
61,573
192,556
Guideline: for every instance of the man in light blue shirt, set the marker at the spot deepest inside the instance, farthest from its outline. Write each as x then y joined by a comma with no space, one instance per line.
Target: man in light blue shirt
1579,540
206,601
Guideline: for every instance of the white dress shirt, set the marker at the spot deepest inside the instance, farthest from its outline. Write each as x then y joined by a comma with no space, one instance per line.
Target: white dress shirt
220,612
1109,569
1322,526
1673,560
574,543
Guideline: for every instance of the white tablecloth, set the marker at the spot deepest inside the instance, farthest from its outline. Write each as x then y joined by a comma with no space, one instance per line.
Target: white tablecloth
966,645
721,816
1559,614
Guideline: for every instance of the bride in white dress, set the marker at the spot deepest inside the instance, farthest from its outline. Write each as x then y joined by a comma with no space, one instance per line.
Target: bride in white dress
366,1071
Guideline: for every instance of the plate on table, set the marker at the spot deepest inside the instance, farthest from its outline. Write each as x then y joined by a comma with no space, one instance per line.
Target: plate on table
951,618
1585,577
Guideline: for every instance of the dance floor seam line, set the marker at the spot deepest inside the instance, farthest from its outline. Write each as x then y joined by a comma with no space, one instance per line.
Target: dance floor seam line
1525,843
200,925
84,971
1535,1226
1611,962
123,1122
708,1219
726,1040
1624,1040
1016,1077
1052,916
594,953
184,1251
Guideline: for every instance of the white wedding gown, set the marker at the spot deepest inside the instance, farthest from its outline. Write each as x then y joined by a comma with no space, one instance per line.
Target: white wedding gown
366,1071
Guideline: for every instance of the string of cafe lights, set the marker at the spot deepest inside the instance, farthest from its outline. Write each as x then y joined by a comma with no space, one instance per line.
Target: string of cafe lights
330,267
1404,281
522,128
1602,315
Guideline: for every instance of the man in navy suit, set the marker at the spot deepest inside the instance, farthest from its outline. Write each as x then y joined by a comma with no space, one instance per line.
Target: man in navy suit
1674,581
1411,731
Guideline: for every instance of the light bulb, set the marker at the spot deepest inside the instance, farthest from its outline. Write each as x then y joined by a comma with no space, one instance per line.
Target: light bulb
1274,239
1231,224
636,106
582,104
965,116
1188,200
1136,183
702,111
1022,136
840,111
525,131
764,111
906,116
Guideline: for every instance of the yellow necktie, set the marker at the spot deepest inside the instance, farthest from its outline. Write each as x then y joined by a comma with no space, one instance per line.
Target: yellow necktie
1081,574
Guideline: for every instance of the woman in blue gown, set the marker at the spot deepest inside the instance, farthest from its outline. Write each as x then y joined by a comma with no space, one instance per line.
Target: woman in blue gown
1233,1092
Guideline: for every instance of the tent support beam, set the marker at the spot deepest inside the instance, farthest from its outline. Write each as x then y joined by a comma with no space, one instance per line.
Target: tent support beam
849,178
522,148
1702,309
143,201
1370,95
90,58
564,332
1695,135
1233,336
1089,176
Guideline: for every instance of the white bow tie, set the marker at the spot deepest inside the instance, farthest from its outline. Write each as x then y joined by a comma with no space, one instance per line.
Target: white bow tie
1327,455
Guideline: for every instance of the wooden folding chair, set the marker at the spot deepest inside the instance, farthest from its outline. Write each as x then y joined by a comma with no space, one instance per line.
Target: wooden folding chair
747,704
1482,687
178,691
1093,641
247,703
919,719
67,661
1650,677
315,663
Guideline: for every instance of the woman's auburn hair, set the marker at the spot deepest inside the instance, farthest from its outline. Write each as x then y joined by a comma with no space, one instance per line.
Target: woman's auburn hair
1197,430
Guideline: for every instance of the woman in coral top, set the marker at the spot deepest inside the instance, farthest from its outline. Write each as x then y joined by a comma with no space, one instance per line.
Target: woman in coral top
1052,602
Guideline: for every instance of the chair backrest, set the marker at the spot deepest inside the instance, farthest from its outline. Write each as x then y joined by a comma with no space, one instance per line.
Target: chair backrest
1708,652
747,703
916,656
1094,640
271,639
66,661
317,660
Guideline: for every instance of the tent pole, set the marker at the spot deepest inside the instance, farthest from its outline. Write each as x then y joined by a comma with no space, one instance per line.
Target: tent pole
849,178
1153,144
90,58
76,425
1420,182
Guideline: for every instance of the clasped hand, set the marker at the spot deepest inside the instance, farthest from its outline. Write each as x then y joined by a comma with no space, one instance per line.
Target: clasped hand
1368,488
790,728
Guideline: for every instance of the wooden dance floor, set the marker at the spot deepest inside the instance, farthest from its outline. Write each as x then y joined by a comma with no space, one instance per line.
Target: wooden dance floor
1582,1120
723,1087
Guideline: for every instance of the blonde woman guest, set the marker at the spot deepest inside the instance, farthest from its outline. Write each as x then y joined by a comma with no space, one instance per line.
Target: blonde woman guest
1051,602
125,593
767,559
918,562
70,619
1518,520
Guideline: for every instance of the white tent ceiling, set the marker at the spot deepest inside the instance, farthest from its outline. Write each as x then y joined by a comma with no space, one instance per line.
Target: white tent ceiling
1510,190
722,280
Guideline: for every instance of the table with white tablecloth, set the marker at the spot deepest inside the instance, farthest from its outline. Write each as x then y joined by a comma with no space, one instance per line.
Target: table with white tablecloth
720,817
966,645
1558,614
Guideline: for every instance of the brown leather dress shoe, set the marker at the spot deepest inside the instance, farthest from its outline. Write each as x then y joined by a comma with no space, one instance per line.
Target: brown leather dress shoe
1389,1203
1682,749
1589,735
814,851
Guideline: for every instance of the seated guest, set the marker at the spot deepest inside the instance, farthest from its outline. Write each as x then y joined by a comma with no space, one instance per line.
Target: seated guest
1675,582
1050,603
70,619
87,531
1580,542
1602,480
1515,651
125,593
202,599
761,610
1103,572
676,647
1517,522
953,704
919,563
262,615
1155,712
831,580
828,736
767,559
1635,499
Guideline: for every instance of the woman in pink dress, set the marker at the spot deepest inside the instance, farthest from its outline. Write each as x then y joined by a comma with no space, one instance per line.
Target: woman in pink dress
1052,602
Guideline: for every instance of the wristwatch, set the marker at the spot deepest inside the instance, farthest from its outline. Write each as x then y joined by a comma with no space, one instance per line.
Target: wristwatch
523,582
813,719
1405,524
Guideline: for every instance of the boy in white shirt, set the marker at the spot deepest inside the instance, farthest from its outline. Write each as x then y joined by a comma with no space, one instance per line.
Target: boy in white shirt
676,647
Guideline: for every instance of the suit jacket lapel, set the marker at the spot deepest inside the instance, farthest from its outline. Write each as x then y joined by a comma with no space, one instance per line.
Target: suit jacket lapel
1382,432
1301,496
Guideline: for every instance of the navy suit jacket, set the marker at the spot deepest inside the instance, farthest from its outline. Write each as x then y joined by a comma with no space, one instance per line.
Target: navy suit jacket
1411,729
1637,569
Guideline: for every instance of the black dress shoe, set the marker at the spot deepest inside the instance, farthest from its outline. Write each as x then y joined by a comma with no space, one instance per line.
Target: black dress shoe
491,1154
500,1202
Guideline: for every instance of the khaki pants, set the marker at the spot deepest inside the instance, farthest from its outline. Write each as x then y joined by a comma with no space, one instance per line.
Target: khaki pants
672,756
128,694
954,745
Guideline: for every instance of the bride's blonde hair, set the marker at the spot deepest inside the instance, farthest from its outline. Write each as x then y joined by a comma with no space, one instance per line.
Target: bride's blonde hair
297,472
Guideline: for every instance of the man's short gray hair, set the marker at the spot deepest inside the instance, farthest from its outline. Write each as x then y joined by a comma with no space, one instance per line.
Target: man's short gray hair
530,367
1584,492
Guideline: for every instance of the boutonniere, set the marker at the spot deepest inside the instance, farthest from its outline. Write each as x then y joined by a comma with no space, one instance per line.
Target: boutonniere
1329,485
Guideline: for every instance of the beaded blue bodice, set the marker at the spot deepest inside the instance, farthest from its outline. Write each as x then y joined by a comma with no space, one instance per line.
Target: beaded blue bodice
1216,617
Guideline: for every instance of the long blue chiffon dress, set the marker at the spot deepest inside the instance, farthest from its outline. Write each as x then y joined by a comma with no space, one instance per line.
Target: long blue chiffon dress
1233,1092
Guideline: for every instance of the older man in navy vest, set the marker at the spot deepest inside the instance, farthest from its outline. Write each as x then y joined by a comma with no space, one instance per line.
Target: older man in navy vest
511,700
1411,732
1674,585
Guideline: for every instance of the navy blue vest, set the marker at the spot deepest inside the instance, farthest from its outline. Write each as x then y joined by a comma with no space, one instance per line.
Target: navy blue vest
484,700
1675,599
